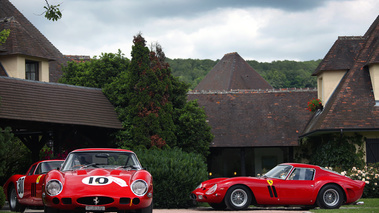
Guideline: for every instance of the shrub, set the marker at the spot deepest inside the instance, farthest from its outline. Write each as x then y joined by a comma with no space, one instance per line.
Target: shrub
175,174
369,174
333,150
2,197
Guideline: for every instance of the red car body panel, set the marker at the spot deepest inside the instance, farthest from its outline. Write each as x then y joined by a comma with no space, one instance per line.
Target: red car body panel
29,186
89,186
273,191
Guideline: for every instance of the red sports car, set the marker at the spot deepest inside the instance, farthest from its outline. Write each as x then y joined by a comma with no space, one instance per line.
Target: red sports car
26,190
287,184
99,180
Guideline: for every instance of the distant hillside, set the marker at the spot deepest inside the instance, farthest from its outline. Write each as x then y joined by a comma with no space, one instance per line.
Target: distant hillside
280,74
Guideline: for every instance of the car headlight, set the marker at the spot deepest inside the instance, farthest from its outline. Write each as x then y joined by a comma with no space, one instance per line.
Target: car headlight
211,190
53,187
139,187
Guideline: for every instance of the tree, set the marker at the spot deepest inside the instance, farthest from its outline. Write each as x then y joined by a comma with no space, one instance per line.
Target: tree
95,73
150,101
52,12
14,156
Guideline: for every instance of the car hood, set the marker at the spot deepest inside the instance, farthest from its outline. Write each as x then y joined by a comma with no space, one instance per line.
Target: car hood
100,176
213,181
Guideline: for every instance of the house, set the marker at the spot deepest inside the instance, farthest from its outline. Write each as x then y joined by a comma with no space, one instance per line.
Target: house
255,126
38,110
27,53
348,85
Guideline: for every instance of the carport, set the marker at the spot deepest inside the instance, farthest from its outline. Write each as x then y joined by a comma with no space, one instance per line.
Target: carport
61,116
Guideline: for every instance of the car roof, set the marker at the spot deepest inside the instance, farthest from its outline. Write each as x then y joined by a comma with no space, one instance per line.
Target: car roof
101,149
301,165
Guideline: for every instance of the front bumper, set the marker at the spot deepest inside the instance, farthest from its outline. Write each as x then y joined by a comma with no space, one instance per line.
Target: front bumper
98,202
199,195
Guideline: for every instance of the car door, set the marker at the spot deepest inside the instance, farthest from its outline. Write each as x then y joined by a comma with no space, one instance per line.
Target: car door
26,187
298,188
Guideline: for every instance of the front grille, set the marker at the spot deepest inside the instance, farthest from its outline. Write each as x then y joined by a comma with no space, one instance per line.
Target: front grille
66,201
95,200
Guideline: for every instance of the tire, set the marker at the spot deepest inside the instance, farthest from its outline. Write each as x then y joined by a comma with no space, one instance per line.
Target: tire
218,206
50,210
330,197
238,197
14,205
148,209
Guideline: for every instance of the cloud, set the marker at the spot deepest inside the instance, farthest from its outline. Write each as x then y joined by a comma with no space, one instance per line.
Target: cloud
262,30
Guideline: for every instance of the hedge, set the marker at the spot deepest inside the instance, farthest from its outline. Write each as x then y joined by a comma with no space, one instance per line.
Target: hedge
175,174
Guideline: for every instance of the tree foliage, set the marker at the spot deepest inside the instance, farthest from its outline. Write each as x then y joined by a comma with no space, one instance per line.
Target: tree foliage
280,74
150,101
52,12
14,156
4,35
95,73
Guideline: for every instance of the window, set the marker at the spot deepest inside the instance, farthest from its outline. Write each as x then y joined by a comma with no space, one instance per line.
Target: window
302,174
31,70
31,171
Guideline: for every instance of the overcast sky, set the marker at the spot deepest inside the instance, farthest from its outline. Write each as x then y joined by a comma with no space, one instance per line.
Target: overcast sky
262,30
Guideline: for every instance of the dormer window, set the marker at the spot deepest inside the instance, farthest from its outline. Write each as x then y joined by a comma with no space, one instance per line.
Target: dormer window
32,70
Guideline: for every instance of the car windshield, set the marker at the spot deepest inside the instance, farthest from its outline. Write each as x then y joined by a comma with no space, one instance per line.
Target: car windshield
279,172
101,159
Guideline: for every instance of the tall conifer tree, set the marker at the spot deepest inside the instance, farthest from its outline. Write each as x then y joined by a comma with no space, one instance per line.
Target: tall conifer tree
150,121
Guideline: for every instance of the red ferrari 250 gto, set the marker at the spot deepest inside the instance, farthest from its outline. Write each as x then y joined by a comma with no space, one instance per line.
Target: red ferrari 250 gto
287,184
99,180
26,190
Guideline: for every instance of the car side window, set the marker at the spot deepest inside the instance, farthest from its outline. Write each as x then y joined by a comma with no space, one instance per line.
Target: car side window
32,170
302,174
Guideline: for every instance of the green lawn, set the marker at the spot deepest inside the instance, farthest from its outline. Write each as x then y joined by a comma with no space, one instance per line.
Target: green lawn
370,205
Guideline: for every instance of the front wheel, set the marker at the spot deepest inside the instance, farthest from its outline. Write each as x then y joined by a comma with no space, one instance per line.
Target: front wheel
14,205
330,197
238,197
148,209
218,206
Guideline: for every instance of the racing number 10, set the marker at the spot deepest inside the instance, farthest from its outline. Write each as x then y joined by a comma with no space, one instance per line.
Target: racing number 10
98,180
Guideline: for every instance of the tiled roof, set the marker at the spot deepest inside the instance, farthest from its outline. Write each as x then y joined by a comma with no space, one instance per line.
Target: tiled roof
352,105
342,54
34,101
27,39
232,72
246,118
21,42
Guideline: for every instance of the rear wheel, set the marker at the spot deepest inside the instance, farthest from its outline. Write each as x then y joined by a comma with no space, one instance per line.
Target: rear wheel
14,205
330,197
218,206
238,197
